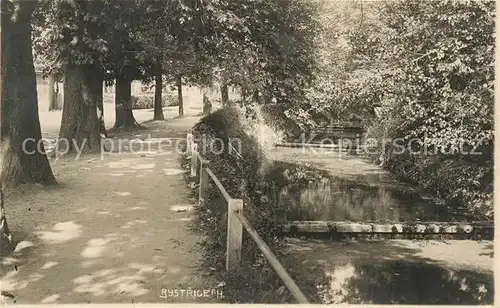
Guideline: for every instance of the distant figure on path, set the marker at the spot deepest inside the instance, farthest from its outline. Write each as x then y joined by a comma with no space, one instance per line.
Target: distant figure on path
207,105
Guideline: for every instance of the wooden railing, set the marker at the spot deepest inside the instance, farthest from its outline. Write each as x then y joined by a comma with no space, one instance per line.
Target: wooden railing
236,222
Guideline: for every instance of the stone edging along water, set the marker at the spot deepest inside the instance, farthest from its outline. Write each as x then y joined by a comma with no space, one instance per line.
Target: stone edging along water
472,230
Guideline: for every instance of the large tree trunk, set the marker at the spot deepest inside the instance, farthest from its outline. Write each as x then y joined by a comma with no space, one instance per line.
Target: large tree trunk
158,108
100,110
123,103
225,94
244,94
20,131
80,125
179,95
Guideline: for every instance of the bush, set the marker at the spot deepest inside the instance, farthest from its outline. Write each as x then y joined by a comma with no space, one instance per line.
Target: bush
171,100
142,102
441,94
147,101
433,86
243,177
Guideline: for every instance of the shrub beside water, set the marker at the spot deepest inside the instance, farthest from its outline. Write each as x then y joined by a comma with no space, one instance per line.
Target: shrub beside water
420,90
463,182
244,178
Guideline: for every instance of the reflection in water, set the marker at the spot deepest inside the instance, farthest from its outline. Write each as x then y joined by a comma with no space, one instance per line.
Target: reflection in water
380,272
406,282
340,199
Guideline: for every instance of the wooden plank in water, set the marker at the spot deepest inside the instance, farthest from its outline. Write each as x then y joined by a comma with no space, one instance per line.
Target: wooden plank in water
397,227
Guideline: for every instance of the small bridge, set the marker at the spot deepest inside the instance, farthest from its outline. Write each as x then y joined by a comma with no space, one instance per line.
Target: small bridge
337,131
336,135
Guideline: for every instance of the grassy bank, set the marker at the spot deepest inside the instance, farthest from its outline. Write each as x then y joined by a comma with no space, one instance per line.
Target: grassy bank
247,176
463,182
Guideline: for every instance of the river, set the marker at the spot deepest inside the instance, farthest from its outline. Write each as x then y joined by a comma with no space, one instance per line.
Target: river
349,188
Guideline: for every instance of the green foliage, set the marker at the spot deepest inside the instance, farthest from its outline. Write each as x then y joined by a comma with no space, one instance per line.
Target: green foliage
256,282
330,96
263,46
416,69
70,32
176,34
276,60
437,75
442,92
147,101
89,32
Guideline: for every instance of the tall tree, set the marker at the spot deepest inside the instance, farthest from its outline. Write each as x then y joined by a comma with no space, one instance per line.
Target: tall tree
179,95
270,55
179,35
20,131
121,24
428,68
52,93
149,34
123,102
166,25
72,42
158,99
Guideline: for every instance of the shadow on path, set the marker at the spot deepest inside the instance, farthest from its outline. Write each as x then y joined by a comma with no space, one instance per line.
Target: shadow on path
116,231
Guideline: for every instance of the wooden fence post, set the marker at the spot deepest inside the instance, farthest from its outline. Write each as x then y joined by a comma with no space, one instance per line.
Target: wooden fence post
194,160
203,193
189,141
234,235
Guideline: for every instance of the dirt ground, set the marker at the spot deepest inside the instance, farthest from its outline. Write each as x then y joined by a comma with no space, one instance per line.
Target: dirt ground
116,230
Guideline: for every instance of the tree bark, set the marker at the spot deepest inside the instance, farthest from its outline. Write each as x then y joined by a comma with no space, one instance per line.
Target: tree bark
100,109
80,125
59,97
179,95
20,129
123,103
158,108
52,93
225,94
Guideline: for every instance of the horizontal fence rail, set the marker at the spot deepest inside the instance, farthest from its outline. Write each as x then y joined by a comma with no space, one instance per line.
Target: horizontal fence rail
218,184
271,258
236,222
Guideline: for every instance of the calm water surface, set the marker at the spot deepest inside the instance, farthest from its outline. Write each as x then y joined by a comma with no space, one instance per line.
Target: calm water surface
339,200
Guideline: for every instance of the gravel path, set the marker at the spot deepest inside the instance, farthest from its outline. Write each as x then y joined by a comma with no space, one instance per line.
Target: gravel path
117,230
